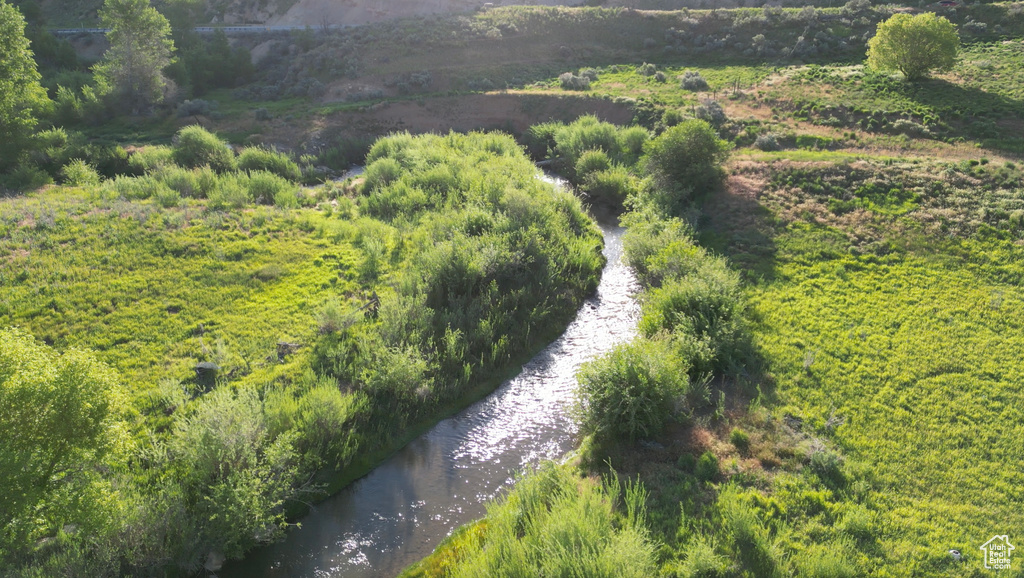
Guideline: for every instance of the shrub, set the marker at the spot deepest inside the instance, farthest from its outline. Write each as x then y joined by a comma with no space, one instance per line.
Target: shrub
828,466
740,439
702,561
261,159
167,197
631,141
647,69
767,142
628,392
671,117
266,188
570,81
380,173
705,305
79,173
589,73
196,107
195,147
150,158
551,524
706,469
592,161
711,112
586,133
229,194
684,160
612,186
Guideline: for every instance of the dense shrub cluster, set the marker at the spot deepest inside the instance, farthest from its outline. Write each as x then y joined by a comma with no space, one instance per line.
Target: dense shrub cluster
464,303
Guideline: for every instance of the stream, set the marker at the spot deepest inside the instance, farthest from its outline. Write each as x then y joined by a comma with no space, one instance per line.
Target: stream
399,512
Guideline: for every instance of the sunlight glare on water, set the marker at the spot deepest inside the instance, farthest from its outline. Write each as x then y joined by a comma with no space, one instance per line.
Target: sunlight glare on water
401,510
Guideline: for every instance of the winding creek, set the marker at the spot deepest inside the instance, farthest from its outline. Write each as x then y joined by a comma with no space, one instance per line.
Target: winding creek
399,512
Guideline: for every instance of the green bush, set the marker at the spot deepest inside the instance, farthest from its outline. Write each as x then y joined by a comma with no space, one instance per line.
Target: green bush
191,183
380,173
611,186
261,159
739,439
267,188
592,161
828,466
79,173
629,393
229,194
569,81
685,161
195,146
706,469
702,561
150,158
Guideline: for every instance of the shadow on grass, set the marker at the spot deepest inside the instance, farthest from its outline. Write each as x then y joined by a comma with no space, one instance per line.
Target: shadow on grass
995,119
735,224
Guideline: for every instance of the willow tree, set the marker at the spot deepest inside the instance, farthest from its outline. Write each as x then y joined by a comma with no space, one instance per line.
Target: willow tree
20,93
140,48
914,45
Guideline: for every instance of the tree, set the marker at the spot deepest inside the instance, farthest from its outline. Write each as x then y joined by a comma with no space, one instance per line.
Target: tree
140,48
21,96
53,416
914,45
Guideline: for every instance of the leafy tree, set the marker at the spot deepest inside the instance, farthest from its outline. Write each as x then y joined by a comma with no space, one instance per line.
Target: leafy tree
685,160
914,45
53,412
21,96
140,48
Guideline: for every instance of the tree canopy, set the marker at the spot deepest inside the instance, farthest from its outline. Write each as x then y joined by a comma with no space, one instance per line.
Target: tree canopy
53,412
140,48
914,45
20,92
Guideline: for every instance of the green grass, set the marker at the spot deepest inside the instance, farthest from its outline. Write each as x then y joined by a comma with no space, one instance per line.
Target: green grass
136,281
981,99
922,357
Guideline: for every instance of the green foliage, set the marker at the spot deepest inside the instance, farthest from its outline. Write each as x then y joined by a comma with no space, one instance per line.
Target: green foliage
261,159
21,96
140,48
630,392
552,524
685,162
612,186
195,147
740,439
591,162
150,158
914,45
706,469
234,478
54,411
268,188
79,173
